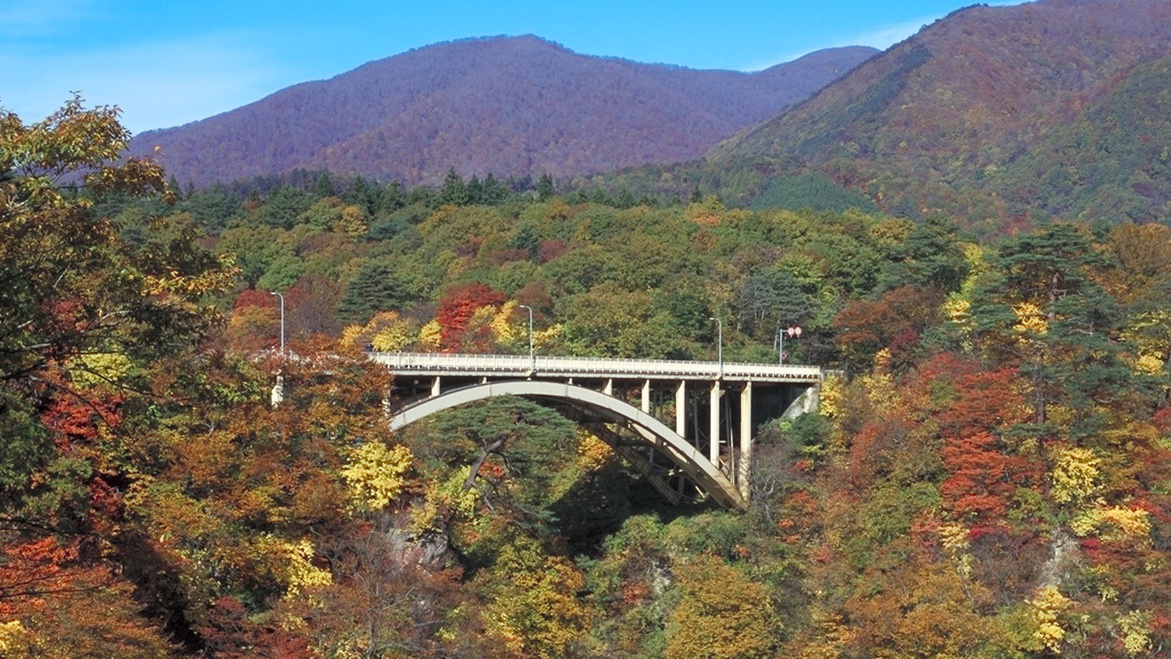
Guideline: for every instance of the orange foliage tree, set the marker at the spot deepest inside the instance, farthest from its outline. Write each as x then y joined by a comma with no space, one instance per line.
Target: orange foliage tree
455,312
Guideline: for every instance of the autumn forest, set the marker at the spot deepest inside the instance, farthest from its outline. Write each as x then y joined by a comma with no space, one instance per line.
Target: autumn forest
988,474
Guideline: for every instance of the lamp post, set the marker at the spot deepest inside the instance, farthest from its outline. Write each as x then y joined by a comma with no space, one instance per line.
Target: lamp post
719,343
532,355
793,332
282,297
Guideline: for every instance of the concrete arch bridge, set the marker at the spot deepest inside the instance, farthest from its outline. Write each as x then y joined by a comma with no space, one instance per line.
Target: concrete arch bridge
688,427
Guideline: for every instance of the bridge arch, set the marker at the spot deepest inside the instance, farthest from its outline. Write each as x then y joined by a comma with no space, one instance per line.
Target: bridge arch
647,430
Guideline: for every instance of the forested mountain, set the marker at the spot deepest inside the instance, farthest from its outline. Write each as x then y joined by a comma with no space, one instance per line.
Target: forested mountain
509,106
992,115
1054,108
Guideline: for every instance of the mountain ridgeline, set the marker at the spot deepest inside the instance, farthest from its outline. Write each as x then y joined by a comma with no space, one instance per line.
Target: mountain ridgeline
1058,108
509,106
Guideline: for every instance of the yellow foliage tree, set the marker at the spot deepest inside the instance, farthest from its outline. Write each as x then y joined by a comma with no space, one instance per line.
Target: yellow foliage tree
430,335
1114,523
831,396
548,336
302,573
1075,475
1045,612
958,310
533,608
1136,632
956,540
386,331
291,564
16,640
1148,331
394,336
879,382
96,368
593,453
375,475
723,613
352,222
504,330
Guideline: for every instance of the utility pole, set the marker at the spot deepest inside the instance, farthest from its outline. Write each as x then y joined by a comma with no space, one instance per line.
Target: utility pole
719,343
282,297
532,354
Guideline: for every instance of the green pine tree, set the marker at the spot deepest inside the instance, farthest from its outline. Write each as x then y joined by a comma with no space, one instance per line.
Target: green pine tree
375,288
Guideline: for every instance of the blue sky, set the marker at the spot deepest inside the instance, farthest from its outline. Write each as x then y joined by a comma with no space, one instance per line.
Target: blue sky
171,62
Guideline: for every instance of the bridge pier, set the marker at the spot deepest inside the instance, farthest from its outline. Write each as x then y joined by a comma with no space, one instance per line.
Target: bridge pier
714,424
744,459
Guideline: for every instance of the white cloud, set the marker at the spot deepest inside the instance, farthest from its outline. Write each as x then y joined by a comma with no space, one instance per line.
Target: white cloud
887,36
880,38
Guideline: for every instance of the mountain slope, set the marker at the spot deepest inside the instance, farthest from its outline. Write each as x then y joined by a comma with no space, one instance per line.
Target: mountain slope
511,106
948,119
1112,160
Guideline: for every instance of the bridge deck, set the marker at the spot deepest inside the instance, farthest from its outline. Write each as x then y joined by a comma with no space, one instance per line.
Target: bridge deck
431,364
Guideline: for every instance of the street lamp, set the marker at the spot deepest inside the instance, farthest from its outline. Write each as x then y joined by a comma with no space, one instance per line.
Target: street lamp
282,297
719,343
532,355
793,332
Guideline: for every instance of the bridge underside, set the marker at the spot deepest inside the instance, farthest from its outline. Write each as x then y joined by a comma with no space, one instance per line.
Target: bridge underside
676,467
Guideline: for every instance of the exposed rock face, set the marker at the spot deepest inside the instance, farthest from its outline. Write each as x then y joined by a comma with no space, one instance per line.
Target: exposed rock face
429,550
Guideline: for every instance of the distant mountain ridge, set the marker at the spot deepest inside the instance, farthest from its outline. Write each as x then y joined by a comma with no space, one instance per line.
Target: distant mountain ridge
993,114
505,105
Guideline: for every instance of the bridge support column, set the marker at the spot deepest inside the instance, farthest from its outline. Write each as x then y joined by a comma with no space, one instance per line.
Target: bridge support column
609,388
646,407
435,387
745,439
714,426
681,409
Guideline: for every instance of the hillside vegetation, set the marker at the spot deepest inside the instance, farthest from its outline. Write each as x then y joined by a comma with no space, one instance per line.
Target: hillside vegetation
988,475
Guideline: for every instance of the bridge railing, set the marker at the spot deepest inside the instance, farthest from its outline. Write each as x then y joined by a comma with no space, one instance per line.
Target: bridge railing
430,363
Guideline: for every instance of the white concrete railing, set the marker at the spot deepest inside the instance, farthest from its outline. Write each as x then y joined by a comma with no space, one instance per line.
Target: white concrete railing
432,363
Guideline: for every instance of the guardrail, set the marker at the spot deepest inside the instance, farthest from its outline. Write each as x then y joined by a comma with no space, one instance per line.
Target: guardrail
431,363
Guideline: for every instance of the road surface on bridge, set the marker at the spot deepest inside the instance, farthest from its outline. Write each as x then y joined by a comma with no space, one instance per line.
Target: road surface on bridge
429,364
